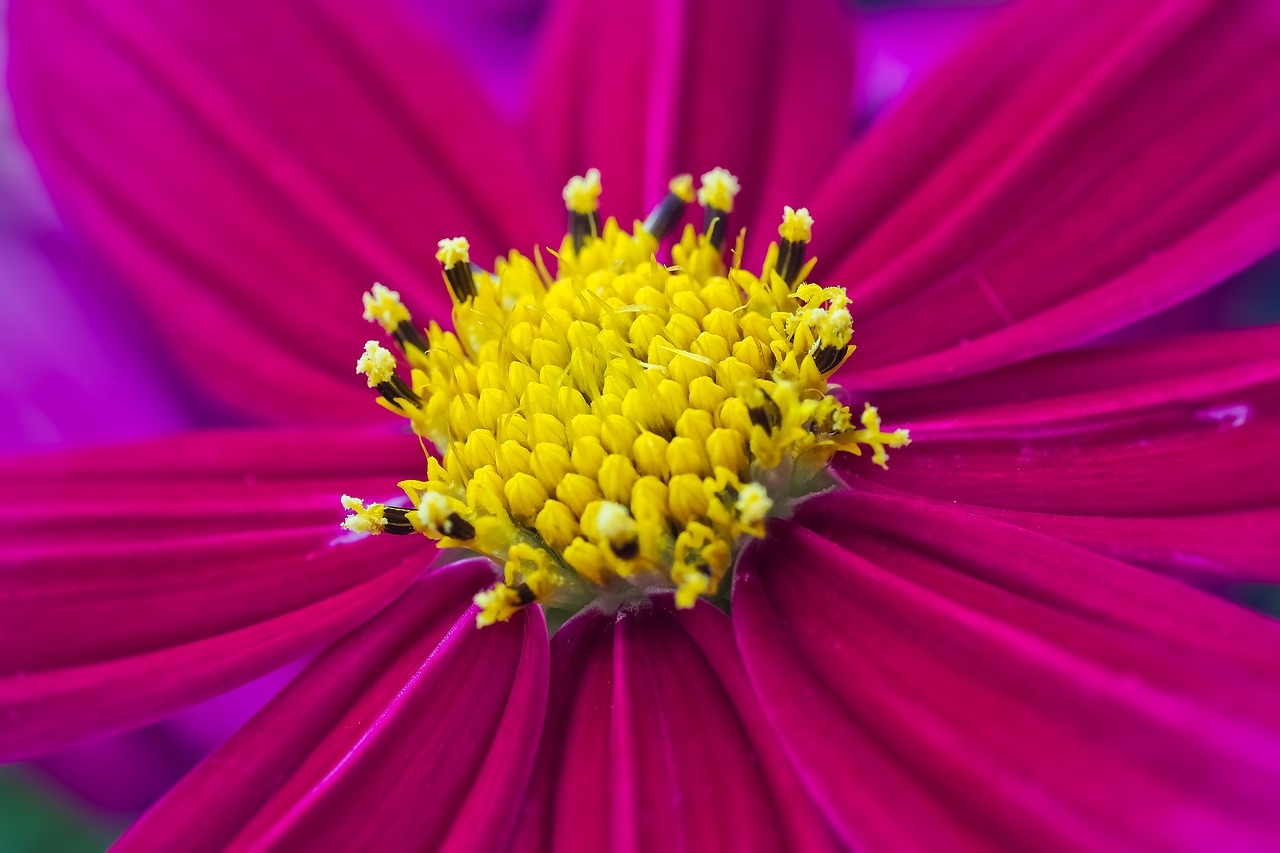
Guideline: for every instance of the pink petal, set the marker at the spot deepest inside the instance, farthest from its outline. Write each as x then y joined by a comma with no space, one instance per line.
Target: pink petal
644,92
415,731
1062,176
252,170
1168,434
945,680
654,741
157,575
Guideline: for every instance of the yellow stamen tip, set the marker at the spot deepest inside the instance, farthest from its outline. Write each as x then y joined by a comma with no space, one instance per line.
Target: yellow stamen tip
496,605
377,363
454,250
370,519
797,225
718,190
582,193
382,306
681,187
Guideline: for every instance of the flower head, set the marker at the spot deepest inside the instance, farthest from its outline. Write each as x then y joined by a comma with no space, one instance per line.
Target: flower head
625,425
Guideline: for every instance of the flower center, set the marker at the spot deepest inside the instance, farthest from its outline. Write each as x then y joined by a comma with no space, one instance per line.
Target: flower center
623,425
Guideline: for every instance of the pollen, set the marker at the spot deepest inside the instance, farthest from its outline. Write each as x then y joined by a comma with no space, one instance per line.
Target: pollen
625,424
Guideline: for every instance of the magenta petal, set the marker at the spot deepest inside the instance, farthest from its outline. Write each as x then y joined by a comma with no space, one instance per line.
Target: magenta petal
252,170
983,686
1147,132
145,578
646,91
416,731
654,741
1169,433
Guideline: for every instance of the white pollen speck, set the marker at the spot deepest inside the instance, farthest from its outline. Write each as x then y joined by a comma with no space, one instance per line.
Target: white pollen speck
1227,416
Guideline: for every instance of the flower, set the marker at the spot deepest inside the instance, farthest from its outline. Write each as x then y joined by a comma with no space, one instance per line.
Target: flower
983,645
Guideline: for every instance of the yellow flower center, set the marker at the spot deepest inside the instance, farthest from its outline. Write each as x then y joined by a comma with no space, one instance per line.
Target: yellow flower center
624,425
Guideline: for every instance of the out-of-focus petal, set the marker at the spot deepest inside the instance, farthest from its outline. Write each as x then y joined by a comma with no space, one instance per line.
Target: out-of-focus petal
1182,427
645,91
655,741
996,686
252,171
1146,132
153,576
416,731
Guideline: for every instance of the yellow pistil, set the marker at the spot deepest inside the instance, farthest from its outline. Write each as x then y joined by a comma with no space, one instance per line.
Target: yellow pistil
622,425
453,250
369,519
797,225
378,364
718,190
582,193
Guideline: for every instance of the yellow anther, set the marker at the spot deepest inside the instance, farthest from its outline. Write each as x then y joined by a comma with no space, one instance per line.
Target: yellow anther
588,455
582,193
797,225
453,250
370,519
649,499
377,364
718,190
382,306
681,186
512,458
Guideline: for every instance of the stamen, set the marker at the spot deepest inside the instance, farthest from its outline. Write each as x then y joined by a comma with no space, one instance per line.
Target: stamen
664,217
796,231
716,195
455,257
582,198
378,365
382,306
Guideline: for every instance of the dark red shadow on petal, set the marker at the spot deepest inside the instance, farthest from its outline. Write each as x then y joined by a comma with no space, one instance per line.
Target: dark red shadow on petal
148,577
654,741
417,730
986,684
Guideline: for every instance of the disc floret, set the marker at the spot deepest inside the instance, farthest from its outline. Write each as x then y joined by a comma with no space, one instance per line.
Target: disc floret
624,424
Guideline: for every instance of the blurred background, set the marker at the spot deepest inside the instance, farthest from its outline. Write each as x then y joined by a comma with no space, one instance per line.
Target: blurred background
89,372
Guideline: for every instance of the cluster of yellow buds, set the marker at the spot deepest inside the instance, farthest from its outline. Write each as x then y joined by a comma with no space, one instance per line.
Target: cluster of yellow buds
624,424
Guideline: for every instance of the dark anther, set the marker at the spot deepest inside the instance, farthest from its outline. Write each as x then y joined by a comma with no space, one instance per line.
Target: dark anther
716,226
397,520
828,358
729,496
582,226
627,550
664,217
457,527
461,281
766,416
408,334
790,260
396,388
524,595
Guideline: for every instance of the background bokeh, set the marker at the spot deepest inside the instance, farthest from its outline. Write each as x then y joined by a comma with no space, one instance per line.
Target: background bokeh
83,368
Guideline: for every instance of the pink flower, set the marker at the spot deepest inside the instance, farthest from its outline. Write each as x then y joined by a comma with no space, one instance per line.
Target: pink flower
991,644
